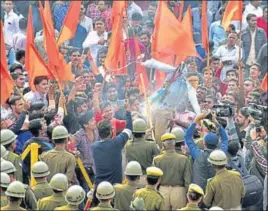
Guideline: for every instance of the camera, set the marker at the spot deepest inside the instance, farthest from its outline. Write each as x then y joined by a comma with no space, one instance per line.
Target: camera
257,112
224,110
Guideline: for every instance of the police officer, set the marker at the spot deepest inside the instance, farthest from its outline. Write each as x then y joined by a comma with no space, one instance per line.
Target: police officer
40,172
194,196
58,159
105,193
8,140
59,184
3,152
124,192
180,142
75,195
153,200
29,202
177,174
137,204
4,182
15,193
226,189
141,150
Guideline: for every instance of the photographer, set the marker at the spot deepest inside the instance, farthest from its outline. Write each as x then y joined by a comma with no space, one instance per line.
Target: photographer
202,170
259,141
261,159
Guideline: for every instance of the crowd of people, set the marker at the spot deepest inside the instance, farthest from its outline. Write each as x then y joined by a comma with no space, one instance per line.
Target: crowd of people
202,149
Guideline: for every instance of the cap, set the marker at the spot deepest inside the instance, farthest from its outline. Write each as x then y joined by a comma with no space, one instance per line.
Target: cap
154,172
168,136
211,139
7,167
196,188
105,190
59,132
40,169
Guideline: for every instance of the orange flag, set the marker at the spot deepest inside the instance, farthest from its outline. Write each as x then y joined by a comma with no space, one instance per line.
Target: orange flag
70,22
92,64
264,84
205,41
7,83
116,56
172,38
48,16
34,64
181,10
139,68
233,12
56,61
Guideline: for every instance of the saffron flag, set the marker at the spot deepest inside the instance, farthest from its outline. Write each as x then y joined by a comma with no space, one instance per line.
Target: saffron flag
115,61
205,41
56,61
48,16
172,38
70,22
264,85
233,12
7,83
34,64
139,68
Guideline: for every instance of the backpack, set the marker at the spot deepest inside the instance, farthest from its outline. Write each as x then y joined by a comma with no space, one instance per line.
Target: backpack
254,190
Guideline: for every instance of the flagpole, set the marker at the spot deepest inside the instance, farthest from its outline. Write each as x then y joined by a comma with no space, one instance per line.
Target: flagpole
147,105
240,70
19,92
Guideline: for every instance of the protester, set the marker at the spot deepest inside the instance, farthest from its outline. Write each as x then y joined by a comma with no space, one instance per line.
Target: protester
115,78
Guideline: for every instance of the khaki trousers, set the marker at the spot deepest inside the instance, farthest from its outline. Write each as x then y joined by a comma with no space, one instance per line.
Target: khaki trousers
161,123
174,196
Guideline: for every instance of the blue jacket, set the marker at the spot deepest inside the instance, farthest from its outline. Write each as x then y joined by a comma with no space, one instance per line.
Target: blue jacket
194,150
260,40
107,158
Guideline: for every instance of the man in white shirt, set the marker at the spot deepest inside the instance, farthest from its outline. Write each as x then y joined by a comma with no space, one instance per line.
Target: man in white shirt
19,39
228,54
253,7
40,93
96,39
11,23
85,21
133,8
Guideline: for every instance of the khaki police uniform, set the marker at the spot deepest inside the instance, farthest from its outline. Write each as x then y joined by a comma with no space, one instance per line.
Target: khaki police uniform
124,195
143,152
29,202
194,188
59,161
3,201
153,200
175,180
17,162
12,207
68,207
225,190
191,207
51,202
41,189
103,206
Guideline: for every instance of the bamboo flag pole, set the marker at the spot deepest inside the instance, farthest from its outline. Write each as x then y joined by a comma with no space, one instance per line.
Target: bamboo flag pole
147,105
240,70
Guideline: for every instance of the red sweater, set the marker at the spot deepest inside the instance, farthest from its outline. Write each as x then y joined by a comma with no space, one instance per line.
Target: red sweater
117,125
262,24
